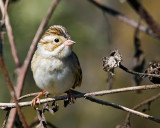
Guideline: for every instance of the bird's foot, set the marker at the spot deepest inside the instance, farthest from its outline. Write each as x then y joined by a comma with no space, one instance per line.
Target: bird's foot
37,99
70,98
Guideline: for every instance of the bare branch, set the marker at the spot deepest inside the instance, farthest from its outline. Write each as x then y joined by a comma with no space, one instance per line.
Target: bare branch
28,95
146,16
104,92
12,92
148,101
88,96
9,83
5,8
10,34
138,73
79,95
5,120
124,109
39,33
123,18
23,104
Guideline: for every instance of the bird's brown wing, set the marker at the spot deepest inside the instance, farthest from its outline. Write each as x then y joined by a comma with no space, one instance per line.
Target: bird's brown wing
77,70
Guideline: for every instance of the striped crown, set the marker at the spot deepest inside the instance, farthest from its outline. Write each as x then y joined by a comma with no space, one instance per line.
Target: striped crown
58,30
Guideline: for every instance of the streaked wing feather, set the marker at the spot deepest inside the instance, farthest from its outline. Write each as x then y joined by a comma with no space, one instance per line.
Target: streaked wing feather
77,71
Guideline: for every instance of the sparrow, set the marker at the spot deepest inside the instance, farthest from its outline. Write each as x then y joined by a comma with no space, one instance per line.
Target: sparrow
55,67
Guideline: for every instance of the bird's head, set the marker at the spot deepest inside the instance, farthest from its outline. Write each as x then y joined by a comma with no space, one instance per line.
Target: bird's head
55,42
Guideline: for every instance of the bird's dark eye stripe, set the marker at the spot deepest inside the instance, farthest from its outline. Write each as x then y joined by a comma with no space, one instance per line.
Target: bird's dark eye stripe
56,40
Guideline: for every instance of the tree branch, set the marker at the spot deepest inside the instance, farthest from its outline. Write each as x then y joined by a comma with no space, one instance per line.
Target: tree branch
146,16
5,120
7,79
12,92
123,18
10,33
124,109
88,96
148,101
79,95
138,73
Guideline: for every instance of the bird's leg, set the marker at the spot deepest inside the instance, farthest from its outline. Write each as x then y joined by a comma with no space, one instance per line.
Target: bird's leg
70,98
46,94
37,98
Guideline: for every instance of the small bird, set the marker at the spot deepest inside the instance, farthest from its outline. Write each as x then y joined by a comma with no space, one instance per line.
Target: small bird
56,68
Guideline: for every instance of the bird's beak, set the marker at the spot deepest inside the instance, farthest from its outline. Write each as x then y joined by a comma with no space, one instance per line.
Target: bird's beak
69,42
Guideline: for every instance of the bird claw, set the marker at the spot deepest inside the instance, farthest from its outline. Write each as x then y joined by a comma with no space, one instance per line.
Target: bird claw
37,99
70,98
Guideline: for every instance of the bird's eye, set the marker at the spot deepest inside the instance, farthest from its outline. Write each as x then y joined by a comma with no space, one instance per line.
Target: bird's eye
56,40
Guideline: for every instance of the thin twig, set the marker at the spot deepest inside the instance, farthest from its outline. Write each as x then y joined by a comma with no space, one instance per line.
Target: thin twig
135,88
103,92
123,18
12,92
6,118
10,34
148,101
9,84
39,33
28,95
79,95
22,71
5,8
124,109
138,73
88,96
146,16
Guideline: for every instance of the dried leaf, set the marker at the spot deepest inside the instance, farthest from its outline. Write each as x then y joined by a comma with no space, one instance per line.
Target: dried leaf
55,107
66,102
41,117
154,68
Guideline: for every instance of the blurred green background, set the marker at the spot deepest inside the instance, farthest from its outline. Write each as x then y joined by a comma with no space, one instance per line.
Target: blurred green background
96,34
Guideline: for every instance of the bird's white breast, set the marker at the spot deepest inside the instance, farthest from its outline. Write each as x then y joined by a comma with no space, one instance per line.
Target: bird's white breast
54,76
